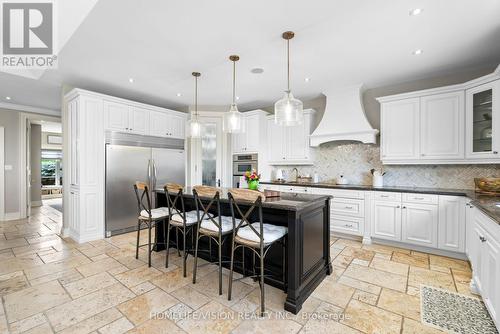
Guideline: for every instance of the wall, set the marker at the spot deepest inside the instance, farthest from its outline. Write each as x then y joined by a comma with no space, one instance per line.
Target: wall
354,160
36,170
9,119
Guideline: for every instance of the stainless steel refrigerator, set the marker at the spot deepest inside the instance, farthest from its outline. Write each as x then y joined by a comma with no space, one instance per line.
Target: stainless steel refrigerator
131,158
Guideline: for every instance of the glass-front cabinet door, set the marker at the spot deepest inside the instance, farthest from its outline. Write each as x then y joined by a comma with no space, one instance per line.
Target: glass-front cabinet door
483,121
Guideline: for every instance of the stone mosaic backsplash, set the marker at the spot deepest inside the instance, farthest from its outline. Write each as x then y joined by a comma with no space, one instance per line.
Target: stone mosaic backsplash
354,161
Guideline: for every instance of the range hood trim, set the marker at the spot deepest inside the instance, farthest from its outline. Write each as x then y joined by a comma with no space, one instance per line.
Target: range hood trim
344,105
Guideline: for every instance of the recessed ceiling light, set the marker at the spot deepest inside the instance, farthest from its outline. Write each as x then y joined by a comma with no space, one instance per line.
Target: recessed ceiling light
417,52
415,12
307,79
237,97
257,70
179,94
7,97
131,80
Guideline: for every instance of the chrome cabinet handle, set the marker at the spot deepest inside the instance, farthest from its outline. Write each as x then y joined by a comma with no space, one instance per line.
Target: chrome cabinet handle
495,152
348,225
419,198
404,207
483,239
384,196
348,207
398,207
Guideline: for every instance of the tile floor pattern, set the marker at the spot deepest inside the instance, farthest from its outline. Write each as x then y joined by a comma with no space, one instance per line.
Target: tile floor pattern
49,284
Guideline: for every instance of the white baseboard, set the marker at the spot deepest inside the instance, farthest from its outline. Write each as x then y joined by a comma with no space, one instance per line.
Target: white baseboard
68,233
11,216
36,203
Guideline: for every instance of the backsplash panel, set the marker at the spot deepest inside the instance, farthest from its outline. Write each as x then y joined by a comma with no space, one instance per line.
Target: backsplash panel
354,161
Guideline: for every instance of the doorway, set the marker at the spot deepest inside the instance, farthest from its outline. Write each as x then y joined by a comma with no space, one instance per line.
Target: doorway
209,153
41,145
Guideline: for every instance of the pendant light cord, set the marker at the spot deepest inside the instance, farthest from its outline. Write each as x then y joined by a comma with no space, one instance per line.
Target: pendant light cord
196,96
234,82
288,63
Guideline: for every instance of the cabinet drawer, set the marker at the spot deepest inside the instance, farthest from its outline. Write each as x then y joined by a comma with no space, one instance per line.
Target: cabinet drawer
420,198
351,225
387,196
339,193
348,207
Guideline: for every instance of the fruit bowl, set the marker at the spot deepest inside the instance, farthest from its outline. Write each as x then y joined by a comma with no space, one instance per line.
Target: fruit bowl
488,185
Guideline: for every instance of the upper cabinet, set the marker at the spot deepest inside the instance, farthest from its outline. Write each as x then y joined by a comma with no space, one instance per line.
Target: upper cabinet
482,121
290,145
249,140
400,127
448,125
123,117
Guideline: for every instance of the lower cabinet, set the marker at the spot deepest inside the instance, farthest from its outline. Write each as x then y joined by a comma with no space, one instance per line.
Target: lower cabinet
419,224
452,216
485,259
386,220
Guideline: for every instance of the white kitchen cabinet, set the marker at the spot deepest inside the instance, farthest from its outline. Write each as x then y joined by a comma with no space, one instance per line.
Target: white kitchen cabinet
166,124
249,140
469,229
139,121
483,121
419,224
452,216
458,124
441,126
116,116
386,220
400,128
290,145
486,262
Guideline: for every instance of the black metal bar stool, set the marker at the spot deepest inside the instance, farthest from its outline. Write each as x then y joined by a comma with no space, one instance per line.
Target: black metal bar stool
147,216
211,225
257,236
182,221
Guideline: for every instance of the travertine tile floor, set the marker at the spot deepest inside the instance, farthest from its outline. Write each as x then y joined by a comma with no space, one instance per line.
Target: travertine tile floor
48,284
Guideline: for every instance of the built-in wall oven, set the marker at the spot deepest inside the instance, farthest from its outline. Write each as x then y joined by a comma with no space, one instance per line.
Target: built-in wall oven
241,164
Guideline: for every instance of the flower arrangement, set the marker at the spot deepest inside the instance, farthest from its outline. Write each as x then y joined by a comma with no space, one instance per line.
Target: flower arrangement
252,179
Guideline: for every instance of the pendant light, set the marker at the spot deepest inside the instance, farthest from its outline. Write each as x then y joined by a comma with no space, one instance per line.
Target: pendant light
233,120
288,111
193,124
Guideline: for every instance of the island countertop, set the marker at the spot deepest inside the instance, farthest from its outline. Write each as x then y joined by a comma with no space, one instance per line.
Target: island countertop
286,201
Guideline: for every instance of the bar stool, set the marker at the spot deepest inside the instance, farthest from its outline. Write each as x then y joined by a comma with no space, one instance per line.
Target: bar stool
257,236
182,221
147,216
213,226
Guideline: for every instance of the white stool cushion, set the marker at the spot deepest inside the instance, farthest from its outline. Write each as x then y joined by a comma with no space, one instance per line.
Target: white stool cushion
155,213
227,224
191,218
271,233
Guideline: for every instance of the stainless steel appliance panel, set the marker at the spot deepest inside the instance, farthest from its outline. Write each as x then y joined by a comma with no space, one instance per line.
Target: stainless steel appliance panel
168,166
124,166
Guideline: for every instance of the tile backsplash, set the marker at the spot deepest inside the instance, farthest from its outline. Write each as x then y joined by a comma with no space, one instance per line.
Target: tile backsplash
354,161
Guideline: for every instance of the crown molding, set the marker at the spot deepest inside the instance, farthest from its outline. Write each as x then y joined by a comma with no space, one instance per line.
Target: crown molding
30,109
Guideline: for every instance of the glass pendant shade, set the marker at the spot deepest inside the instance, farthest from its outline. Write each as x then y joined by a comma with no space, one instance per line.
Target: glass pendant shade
233,120
288,111
193,127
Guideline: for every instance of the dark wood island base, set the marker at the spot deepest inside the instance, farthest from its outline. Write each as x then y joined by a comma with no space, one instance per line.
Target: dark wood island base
308,243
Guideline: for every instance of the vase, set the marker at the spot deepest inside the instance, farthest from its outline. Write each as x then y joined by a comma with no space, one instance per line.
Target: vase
253,185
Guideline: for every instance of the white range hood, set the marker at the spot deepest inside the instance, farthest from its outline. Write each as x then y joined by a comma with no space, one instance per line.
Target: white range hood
344,118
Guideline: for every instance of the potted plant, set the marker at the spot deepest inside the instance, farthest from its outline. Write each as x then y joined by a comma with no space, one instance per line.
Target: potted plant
252,179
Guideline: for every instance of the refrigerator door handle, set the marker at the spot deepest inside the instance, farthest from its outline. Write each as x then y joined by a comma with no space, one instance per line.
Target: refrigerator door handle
155,173
149,172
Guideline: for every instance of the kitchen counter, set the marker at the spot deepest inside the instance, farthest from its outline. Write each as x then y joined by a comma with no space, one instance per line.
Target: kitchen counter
307,218
485,203
287,201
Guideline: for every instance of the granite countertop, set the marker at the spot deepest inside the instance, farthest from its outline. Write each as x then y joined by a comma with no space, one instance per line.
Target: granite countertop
287,201
485,203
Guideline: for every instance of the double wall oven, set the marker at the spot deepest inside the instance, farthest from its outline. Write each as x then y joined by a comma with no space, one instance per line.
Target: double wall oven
241,164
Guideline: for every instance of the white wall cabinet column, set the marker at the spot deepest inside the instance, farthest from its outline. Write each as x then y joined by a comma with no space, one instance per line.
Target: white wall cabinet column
84,117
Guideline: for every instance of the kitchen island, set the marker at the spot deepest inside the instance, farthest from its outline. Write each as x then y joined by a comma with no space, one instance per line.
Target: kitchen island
307,218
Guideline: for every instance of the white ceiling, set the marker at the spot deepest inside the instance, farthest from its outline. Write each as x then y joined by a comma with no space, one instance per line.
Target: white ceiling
159,43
